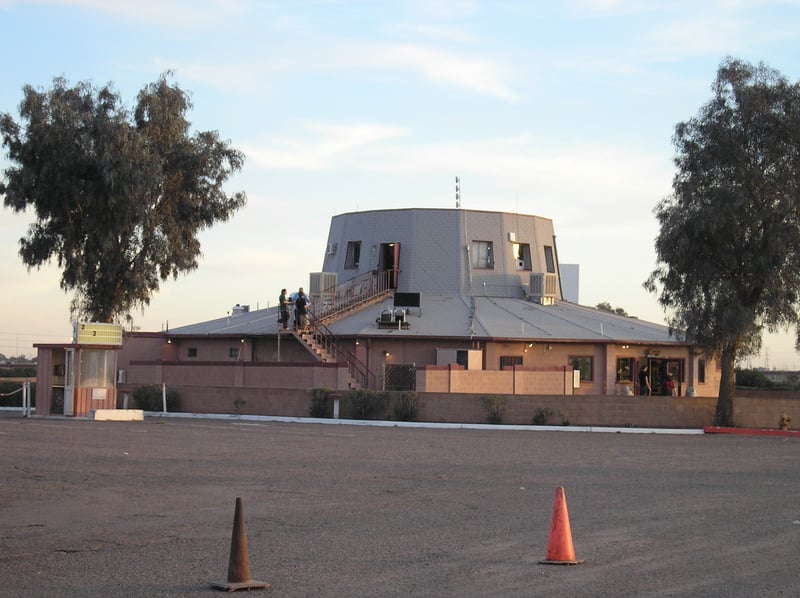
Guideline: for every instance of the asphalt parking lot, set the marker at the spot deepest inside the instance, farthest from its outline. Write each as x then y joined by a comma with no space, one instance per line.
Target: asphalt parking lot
146,509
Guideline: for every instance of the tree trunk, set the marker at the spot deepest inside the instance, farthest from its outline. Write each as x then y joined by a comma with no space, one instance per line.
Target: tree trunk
727,388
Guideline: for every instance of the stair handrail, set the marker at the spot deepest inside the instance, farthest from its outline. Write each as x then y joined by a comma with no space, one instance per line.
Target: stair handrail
354,292
325,339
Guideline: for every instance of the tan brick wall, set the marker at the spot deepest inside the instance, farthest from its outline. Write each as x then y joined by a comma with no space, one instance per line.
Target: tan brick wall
520,380
633,411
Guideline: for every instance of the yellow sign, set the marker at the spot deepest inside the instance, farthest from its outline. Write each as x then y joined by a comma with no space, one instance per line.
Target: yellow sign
98,333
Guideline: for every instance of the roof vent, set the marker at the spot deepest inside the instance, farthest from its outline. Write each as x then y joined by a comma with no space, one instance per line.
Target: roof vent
240,309
544,288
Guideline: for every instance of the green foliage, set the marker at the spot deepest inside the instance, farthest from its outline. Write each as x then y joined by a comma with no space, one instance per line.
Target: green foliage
149,398
542,415
364,402
405,405
320,403
17,360
752,378
606,306
495,407
119,197
18,371
728,250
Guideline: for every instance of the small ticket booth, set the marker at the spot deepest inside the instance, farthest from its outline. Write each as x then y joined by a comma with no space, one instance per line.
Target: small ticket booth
79,377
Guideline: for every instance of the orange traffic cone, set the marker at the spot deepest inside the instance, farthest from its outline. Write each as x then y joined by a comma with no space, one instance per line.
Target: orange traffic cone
559,548
239,563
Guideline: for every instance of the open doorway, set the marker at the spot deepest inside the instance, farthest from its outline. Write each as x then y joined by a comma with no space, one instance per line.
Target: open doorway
661,371
389,261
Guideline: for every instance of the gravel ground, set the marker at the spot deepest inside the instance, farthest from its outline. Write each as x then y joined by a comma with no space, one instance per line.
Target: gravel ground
146,509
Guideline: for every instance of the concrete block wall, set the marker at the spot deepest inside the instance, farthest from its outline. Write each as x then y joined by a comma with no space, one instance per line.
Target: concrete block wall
244,401
658,412
520,380
628,411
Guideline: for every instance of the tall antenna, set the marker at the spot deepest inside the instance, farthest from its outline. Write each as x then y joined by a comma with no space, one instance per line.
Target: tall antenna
458,193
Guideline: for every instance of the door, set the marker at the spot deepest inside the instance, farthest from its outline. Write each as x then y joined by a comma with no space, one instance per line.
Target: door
664,370
675,373
69,381
389,262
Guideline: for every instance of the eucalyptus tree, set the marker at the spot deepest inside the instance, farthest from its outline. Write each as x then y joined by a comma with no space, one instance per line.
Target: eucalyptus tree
119,195
728,250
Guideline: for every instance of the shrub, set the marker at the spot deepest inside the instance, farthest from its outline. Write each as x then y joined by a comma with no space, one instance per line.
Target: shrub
752,378
542,415
495,406
320,400
364,402
405,406
148,398
18,371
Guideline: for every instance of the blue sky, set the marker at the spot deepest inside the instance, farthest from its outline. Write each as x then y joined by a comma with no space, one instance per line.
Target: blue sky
560,109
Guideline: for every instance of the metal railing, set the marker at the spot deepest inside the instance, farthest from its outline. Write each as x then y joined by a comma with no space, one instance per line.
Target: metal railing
360,290
27,407
336,301
326,341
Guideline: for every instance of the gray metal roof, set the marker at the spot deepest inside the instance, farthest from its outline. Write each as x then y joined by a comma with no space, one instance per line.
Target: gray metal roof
459,316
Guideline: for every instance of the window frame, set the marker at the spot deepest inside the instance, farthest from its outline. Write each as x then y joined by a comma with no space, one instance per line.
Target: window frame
522,254
512,361
620,368
549,259
587,360
352,256
482,260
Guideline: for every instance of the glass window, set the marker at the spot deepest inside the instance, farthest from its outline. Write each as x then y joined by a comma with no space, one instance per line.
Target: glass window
353,255
191,352
701,371
522,256
509,361
549,260
97,368
482,254
233,352
584,364
625,369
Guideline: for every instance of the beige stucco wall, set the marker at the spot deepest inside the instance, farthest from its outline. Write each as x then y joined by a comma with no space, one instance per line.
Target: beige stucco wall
515,381
633,411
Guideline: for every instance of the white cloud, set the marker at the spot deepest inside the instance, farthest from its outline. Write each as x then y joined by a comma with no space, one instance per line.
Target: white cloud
166,13
476,74
710,34
318,146
436,32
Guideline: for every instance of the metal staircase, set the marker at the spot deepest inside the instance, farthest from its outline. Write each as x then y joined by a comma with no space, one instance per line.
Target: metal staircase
332,304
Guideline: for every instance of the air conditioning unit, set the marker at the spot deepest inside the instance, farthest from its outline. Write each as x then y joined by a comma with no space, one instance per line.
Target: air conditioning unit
544,288
322,283
332,247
